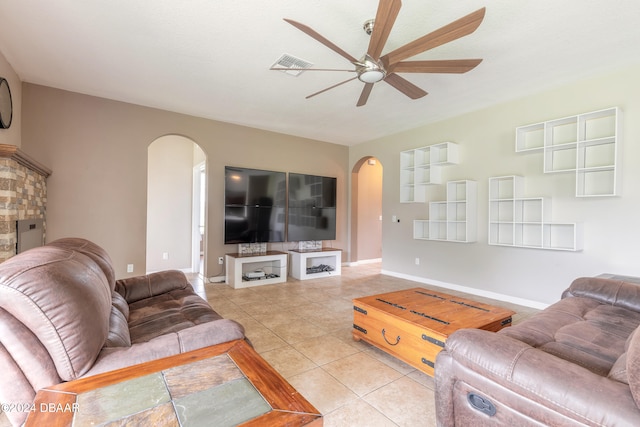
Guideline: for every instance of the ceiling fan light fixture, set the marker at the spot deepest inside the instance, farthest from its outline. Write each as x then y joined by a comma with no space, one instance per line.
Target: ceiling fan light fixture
372,76
369,70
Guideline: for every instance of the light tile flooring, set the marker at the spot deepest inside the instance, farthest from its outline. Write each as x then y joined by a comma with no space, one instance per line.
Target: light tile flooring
303,329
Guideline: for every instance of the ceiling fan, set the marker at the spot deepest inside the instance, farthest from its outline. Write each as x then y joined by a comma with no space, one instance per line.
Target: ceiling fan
373,67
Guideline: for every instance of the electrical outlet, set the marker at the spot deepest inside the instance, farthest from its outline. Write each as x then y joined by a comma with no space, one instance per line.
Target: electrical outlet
165,255
417,261
220,260
129,268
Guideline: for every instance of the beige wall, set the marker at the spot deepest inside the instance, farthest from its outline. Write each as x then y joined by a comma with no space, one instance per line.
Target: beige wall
97,149
486,140
12,136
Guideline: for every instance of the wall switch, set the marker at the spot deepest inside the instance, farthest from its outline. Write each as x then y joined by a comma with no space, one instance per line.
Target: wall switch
129,268
417,261
394,218
220,260
165,255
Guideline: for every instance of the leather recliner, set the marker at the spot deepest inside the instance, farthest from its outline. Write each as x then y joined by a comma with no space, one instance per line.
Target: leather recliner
575,363
63,316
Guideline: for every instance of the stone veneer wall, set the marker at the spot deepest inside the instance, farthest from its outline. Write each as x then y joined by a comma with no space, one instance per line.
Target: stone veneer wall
23,195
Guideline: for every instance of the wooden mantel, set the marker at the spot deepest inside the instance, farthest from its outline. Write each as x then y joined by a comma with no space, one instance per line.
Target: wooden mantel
12,152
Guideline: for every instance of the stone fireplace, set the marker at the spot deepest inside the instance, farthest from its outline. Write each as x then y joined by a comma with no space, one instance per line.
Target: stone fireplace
23,194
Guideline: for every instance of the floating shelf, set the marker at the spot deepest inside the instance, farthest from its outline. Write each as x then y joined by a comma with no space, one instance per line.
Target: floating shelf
453,220
585,144
421,167
523,221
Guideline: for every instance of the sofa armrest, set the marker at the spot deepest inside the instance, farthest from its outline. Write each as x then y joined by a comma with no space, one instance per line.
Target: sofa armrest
193,338
528,381
140,287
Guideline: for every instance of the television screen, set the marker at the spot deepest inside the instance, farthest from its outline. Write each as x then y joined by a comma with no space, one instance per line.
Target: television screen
255,203
312,190
312,208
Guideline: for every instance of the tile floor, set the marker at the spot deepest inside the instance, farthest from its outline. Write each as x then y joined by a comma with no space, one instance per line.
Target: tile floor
303,329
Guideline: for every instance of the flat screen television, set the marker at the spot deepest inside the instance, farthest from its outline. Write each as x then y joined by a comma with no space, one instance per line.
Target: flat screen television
312,208
255,205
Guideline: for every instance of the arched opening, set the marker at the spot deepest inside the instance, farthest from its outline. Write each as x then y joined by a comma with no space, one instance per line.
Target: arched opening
366,210
176,204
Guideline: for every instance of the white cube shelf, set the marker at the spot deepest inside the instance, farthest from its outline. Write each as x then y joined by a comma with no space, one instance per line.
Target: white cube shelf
585,144
421,167
524,221
453,220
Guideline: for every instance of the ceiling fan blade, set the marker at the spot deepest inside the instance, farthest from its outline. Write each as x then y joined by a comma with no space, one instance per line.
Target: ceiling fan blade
450,32
455,66
405,86
312,33
330,87
385,18
364,96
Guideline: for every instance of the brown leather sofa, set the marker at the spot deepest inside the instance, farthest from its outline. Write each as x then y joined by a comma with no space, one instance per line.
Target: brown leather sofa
64,316
575,363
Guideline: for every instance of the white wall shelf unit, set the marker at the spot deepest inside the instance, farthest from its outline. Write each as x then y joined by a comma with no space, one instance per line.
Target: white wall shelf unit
586,144
272,264
453,220
421,167
312,264
524,221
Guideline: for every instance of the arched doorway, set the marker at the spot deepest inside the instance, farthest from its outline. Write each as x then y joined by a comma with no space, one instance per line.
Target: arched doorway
366,210
175,205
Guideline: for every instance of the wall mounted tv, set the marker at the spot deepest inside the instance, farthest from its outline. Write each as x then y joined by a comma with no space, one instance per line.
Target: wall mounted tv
312,208
255,204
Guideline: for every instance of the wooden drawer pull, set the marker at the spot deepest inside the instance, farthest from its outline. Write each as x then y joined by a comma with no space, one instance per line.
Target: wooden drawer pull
390,343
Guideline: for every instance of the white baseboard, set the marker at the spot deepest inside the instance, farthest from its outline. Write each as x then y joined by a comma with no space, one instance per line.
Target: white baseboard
474,291
363,261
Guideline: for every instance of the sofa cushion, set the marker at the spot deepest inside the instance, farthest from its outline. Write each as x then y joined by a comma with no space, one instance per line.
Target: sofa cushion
169,312
141,287
64,298
582,330
607,291
93,251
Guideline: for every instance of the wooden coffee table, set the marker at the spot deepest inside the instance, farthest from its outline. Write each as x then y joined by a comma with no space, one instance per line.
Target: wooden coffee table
222,385
414,324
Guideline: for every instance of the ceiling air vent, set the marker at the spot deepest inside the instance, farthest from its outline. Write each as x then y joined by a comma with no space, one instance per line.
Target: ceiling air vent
291,65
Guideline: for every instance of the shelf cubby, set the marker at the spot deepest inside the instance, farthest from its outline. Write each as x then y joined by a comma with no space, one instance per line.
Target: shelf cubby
530,137
523,222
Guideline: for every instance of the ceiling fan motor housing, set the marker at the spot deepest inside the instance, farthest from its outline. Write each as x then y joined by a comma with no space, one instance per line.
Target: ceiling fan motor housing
368,26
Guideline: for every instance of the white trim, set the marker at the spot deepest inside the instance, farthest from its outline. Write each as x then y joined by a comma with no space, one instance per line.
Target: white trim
474,291
362,262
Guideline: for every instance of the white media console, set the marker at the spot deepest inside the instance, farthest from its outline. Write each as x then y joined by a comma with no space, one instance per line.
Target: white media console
266,268
315,263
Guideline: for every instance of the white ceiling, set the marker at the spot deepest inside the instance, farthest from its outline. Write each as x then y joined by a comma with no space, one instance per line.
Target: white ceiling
211,58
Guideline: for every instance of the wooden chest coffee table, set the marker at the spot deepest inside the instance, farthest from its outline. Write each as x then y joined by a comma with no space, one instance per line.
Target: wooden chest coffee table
414,324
